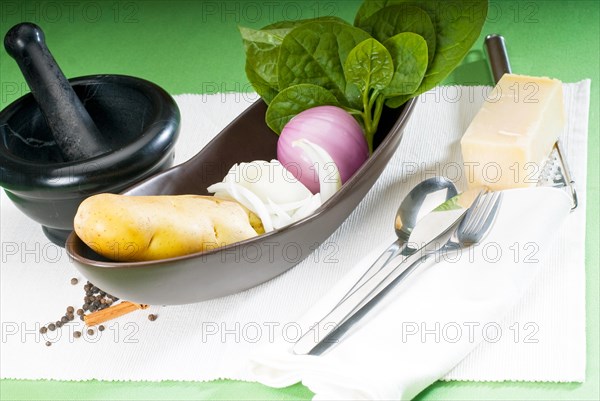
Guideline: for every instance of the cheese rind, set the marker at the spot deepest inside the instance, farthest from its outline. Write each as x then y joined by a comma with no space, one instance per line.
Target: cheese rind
510,138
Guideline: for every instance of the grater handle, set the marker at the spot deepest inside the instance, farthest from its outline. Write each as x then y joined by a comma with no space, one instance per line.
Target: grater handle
495,48
567,174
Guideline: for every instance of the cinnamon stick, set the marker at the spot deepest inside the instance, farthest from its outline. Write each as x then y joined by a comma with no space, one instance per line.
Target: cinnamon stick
112,312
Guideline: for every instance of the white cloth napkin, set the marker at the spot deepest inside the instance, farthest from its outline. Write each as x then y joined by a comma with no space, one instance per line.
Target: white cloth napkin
215,339
421,330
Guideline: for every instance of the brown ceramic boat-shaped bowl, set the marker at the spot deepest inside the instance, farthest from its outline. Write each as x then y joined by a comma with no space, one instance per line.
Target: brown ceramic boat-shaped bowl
237,267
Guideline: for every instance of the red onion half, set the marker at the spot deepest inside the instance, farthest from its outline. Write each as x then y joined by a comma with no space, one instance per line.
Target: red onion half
332,129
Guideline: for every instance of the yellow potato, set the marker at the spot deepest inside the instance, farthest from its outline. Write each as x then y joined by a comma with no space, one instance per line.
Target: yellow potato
138,228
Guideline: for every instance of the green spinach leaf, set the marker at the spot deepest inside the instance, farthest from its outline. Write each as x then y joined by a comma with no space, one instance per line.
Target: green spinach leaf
284,27
409,54
392,20
294,100
315,53
370,7
265,89
262,52
457,26
369,66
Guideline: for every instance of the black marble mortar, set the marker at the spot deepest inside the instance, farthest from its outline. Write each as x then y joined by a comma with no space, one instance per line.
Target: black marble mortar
137,124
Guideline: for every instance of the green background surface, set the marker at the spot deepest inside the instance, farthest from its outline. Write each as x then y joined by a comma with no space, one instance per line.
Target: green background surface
194,47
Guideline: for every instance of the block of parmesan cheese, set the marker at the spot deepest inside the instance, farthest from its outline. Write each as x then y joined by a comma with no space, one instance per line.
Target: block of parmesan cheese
512,135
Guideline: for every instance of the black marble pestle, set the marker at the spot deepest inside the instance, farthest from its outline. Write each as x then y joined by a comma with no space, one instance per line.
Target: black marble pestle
75,133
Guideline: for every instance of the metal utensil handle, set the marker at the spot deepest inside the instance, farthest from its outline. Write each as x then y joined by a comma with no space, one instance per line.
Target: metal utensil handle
495,47
386,257
379,282
402,269
344,310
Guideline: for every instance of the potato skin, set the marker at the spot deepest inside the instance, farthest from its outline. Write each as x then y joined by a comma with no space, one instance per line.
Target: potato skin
140,228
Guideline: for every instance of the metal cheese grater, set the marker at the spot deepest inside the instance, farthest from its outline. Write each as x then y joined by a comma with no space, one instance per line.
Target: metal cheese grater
555,172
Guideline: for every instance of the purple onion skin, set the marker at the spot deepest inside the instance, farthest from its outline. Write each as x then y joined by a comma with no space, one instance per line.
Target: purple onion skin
331,128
